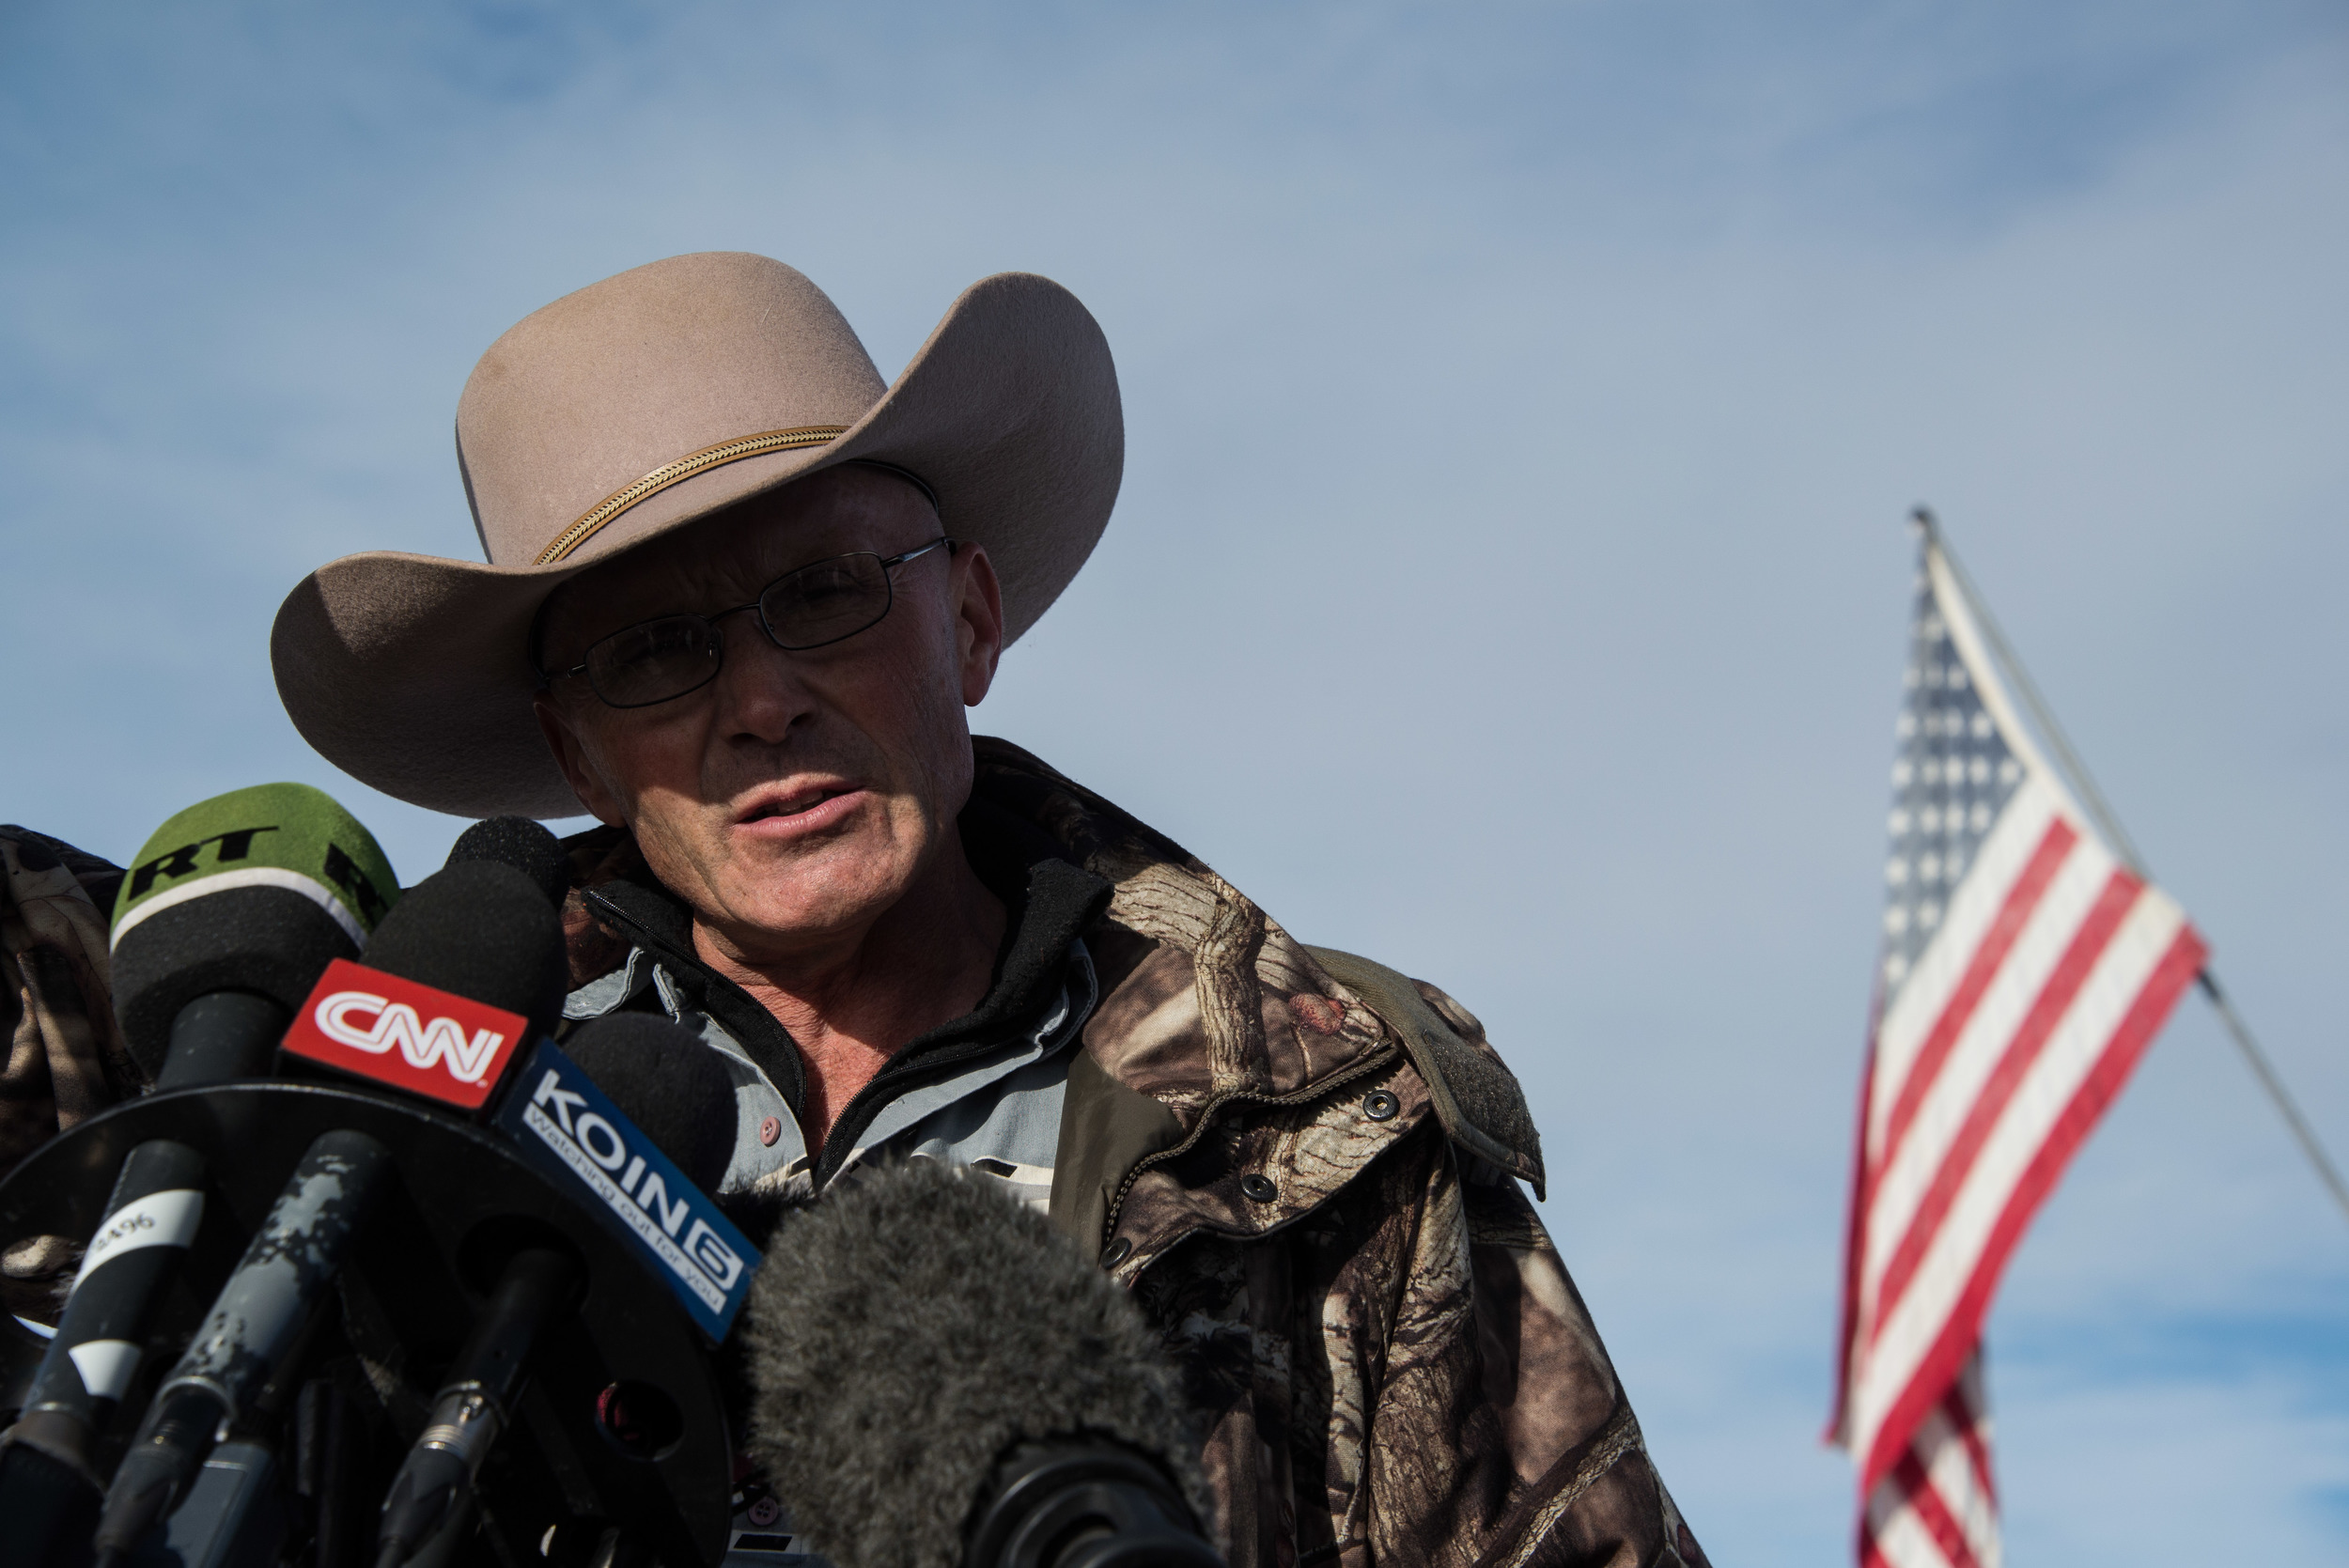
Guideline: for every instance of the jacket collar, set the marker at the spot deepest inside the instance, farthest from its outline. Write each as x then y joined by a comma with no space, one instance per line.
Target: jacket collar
1205,1000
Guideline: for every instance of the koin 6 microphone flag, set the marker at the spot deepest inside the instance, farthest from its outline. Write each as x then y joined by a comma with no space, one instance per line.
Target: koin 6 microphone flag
2025,969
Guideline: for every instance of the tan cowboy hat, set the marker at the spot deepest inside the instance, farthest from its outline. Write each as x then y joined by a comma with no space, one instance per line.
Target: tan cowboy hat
642,403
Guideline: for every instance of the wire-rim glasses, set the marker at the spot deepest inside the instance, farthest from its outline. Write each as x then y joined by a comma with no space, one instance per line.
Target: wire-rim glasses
813,606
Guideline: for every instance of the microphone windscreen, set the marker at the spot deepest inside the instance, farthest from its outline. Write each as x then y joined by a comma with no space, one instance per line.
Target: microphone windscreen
481,930
256,890
525,845
669,1083
906,1330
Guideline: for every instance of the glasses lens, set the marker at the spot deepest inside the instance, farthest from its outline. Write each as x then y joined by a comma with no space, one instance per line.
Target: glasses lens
827,601
655,662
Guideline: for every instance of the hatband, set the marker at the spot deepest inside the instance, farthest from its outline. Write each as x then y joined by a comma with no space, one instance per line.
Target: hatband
684,468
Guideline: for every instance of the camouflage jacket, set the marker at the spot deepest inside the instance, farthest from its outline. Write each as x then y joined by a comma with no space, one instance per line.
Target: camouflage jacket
1306,1166
65,1059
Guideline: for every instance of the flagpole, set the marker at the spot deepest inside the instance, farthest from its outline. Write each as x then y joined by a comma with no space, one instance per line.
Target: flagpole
2108,823
2276,1091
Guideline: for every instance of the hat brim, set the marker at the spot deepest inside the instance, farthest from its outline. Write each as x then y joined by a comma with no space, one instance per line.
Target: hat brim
412,673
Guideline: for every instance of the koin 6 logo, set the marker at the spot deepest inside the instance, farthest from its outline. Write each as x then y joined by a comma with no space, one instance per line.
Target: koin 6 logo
375,1024
571,1130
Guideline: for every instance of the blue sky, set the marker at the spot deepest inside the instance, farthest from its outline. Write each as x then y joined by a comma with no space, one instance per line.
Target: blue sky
1509,579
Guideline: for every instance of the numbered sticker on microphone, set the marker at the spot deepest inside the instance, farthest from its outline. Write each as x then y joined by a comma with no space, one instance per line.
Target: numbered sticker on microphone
406,1035
566,1126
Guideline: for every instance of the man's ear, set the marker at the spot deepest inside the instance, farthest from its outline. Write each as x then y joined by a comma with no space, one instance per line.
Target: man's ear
570,755
980,621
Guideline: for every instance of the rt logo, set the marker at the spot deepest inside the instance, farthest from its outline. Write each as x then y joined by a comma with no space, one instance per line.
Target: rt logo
235,845
337,868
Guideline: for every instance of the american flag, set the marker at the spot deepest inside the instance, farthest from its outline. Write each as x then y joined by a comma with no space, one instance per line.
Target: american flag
2025,969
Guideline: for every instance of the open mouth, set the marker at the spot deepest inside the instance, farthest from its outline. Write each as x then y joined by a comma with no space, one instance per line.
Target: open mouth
799,803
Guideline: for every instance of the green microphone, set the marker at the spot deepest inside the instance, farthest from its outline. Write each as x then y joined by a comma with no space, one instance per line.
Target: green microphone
228,917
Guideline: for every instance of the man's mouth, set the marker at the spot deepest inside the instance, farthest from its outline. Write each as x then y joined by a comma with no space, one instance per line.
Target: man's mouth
792,806
797,804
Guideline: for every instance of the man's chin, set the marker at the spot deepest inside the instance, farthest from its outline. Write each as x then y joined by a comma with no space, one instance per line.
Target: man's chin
789,900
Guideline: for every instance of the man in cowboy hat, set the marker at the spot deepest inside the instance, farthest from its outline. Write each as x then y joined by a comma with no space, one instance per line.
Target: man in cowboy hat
739,594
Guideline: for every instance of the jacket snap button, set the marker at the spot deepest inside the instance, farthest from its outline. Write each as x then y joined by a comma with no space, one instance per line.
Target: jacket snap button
771,1129
1116,1252
1259,1189
1380,1106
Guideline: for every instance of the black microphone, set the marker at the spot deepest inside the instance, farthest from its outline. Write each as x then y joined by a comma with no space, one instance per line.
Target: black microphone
675,1090
482,929
939,1379
435,1482
222,926
668,1081
525,845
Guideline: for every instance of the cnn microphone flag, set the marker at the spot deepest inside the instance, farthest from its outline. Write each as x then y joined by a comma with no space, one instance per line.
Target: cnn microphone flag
2026,967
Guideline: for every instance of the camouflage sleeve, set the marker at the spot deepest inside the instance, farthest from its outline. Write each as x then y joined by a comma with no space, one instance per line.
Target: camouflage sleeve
65,1057
1499,1435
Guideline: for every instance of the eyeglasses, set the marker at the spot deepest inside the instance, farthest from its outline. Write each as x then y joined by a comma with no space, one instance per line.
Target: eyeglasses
824,603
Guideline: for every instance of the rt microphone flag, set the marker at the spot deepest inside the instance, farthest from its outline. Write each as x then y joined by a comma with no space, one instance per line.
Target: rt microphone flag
2025,969
254,890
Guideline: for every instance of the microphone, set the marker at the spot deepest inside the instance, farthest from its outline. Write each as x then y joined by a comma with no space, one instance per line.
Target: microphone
525,845
672,1087
669,1082
940,1379
228,914
484,930
468,963
224,922
254,1323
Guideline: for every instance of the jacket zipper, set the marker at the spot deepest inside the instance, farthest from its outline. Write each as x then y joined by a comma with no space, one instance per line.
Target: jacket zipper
861,1103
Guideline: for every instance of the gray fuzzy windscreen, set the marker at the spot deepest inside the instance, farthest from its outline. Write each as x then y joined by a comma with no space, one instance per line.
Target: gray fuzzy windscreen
908,1330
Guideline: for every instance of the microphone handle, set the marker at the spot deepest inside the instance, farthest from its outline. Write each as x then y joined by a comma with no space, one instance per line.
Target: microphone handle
223,1036
256,1319
473,1406
150,1218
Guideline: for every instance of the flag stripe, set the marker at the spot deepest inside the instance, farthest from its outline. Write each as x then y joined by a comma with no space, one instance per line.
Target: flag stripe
1933,1507
1963,1417
2022,898
1933,1513
1909,1332
2054,1000
1941,1447
1962,1324
1901,1017
1902,1186
1854,1233
1921,996
1891,1534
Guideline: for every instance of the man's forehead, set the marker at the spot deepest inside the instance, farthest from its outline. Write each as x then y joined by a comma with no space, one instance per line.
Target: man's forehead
748,545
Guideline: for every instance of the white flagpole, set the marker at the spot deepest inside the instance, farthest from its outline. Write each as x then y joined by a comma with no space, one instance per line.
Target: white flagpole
2108,823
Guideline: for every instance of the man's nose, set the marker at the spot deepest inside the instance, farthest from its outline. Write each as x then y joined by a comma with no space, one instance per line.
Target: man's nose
760,689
